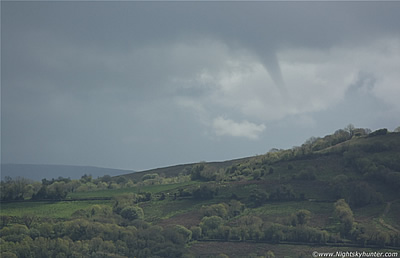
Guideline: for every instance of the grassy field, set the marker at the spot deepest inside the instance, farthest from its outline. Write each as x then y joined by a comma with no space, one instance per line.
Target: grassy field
277,210
58,210
159,210
64,209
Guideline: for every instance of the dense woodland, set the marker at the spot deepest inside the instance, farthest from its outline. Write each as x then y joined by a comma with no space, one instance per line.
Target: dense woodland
339,190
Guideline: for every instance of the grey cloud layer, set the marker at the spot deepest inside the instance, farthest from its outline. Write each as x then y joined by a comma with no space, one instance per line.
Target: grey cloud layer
142,84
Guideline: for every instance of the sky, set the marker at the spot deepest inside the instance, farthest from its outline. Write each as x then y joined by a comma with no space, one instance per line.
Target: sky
141,85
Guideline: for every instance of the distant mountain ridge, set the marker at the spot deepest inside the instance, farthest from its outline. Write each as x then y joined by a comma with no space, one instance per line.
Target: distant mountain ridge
39,171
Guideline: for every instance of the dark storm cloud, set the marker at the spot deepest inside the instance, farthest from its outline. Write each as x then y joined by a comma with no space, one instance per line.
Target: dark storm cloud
261,27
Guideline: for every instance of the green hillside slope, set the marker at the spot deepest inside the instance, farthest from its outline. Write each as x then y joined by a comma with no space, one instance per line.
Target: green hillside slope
339,192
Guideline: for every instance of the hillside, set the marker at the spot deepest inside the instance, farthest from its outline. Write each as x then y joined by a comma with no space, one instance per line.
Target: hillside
336,192
173,171
38,172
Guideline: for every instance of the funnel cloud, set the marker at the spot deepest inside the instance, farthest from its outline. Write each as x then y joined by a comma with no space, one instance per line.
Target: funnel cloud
271,63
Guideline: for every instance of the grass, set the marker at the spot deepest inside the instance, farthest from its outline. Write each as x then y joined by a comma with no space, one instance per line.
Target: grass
59,210
115,192
64,209
275,212
369,211
165,209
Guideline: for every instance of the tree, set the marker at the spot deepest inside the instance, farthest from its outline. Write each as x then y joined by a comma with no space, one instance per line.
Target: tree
57,190
216,210
378,132
186,233
258,197
252,225
283,192
106,178
274,232
382,238
86,178
16,189
132,213
41,194
209,225
29,219
235,208
123,201
308,174
271,170
363,194
270,254
149,176
302,217
196,232
8,255
256,174
311,140
350,129
338,185
345,216
121,180
340,136
204,192
162,197
195,172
